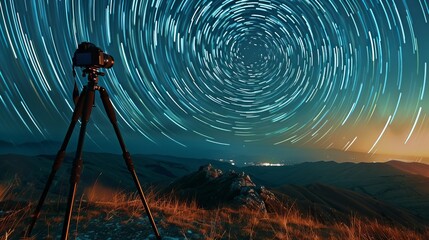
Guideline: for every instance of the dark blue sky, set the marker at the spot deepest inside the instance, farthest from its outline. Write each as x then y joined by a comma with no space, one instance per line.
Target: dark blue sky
213,78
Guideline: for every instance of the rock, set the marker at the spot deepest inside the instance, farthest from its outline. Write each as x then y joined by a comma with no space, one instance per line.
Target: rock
211,188
211,172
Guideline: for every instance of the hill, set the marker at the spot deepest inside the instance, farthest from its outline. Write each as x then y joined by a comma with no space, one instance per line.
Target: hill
104,169
393,192
412,167
381,181
211,188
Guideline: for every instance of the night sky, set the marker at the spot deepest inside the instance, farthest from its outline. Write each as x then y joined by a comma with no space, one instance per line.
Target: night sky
223,78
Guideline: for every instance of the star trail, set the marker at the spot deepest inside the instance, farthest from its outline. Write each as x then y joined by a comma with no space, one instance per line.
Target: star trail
341,74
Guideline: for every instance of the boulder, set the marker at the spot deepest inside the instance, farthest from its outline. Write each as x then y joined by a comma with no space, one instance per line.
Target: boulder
211,188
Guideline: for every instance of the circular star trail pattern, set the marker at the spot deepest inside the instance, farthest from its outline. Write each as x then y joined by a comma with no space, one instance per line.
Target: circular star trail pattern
223,72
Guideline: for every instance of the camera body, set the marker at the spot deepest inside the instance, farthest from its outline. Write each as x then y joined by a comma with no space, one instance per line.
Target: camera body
89,56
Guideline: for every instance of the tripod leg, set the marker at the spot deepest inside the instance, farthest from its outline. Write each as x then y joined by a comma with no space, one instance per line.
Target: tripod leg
57,163
127,157
77,162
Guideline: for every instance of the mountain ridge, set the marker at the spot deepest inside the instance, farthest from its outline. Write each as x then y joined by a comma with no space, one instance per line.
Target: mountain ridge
376,181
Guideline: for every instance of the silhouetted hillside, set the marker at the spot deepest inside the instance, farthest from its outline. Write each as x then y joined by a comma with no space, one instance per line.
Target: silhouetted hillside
104,168
332,204
212,188
412,167
29,148
362,187
380,181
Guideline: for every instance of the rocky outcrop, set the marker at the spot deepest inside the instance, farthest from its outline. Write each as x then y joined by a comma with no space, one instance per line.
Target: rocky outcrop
211,188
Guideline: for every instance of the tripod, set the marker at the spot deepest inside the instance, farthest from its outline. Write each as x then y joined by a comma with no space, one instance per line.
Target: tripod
83,110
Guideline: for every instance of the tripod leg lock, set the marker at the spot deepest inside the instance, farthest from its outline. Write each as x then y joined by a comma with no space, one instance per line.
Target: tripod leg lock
76,171
128,161
58,160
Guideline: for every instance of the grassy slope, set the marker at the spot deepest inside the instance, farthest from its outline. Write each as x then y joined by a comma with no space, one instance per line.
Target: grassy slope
123,217
177,218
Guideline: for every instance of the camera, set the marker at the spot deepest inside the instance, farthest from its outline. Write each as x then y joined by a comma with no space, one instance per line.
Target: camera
90,56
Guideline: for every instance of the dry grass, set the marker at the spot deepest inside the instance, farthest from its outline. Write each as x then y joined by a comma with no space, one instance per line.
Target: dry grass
12,213
188,221
226,223
229,223
370,230
4,190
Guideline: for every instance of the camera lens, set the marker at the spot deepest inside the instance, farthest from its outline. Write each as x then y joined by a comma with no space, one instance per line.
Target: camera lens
108,61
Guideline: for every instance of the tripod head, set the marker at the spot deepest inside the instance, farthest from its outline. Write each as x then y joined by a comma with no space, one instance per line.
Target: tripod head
92,73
